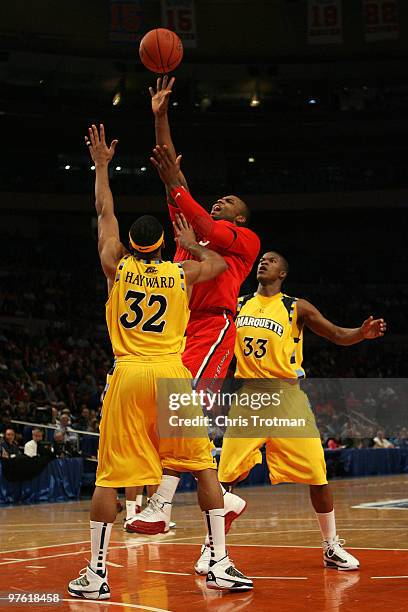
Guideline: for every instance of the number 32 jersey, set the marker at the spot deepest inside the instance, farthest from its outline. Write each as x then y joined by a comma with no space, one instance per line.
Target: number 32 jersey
268,342
147,310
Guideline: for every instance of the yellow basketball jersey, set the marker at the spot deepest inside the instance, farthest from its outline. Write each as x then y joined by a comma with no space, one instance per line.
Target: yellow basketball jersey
147,310
268,342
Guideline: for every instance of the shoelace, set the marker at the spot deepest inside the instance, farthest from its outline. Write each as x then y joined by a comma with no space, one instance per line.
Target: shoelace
153,506
340,542
82,579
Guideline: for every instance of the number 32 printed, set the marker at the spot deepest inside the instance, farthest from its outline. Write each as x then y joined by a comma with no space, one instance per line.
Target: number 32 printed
135,298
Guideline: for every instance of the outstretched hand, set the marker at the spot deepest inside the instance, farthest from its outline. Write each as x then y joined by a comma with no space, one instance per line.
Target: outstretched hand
167,167
373,328
99,151
160,97
183,231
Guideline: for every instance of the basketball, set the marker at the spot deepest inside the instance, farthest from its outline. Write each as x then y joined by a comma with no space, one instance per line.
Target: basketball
161,50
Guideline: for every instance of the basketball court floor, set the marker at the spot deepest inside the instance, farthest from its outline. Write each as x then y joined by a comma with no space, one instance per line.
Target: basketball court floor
276,541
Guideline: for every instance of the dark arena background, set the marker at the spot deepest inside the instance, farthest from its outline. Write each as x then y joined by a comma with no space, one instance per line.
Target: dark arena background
301,108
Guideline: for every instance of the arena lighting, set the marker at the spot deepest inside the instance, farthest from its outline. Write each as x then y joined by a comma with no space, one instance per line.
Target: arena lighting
312,101
143,169
92,167
255,101
251,160
117,98
67,167
118,168
175,103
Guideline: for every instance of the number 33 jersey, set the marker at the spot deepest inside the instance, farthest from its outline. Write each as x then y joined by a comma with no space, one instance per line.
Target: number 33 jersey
147,310
268,342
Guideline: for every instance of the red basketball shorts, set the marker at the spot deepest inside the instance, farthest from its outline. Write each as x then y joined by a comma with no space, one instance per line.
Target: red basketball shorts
209,348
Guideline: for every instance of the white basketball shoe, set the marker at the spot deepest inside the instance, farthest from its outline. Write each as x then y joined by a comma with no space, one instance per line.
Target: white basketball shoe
336,557
90,585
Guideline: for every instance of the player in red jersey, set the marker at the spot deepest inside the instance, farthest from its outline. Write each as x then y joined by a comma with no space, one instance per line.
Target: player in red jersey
211,329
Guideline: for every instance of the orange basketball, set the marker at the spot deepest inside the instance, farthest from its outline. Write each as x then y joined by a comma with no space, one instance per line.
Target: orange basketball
161,50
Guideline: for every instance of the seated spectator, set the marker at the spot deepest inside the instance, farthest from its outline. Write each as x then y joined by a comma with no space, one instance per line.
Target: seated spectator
69,435
63,448
403,438
31,447
333,444
9,447
83,422
381,442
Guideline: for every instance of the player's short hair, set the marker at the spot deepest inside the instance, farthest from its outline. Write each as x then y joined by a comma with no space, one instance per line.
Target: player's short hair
245,212
285,263
146,231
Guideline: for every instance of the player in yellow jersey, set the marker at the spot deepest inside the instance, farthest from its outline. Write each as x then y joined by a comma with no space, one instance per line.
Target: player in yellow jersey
268,350
147,313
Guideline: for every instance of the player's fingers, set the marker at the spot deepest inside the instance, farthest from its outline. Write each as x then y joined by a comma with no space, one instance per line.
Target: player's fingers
158,84
91,136
171,83
155,163
184,221
102,133
161,156
164,82
113,145
151,90
157,153
95,134
176,230
178,160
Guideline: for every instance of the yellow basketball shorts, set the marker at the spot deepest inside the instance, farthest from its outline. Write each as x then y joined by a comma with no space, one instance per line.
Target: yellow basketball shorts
295,456
130,450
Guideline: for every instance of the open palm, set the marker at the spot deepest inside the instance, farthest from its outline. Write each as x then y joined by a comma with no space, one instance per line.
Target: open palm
160,97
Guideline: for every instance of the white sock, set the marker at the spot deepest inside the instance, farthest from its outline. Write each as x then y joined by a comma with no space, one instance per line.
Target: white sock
207,539
215,523
327,524
167,487
100,536
130,508
139,500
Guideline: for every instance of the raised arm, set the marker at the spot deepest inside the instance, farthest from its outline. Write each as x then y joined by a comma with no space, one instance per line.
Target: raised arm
111,250
221,235
208,265
160,104
312,318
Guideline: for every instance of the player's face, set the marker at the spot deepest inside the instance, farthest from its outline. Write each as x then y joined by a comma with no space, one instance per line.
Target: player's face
227,208
269,268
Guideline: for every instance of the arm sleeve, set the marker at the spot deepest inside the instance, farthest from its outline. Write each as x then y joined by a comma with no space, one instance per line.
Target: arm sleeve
222,235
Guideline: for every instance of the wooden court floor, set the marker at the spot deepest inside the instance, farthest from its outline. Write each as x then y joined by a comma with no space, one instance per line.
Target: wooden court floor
276,541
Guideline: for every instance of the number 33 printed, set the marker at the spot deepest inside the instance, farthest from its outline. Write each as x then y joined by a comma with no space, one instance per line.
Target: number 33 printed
260,351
